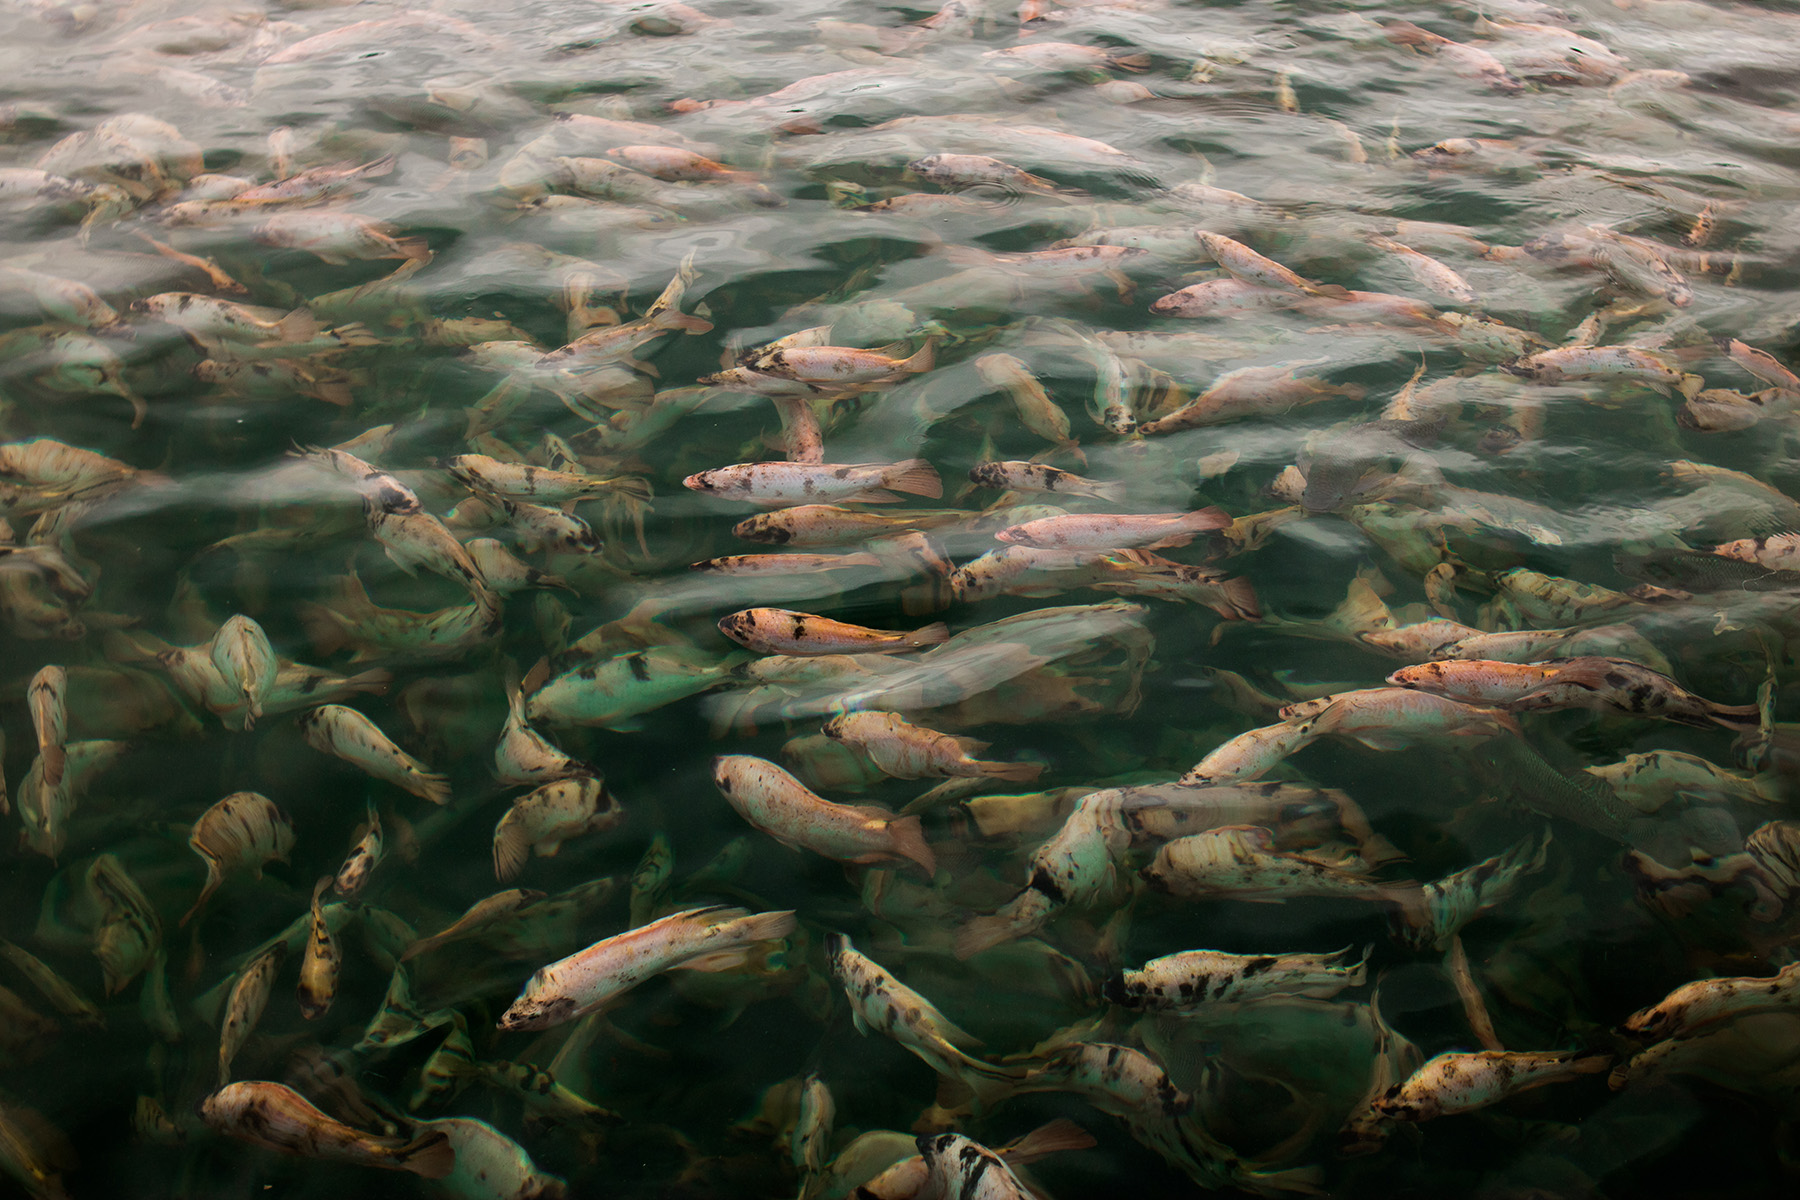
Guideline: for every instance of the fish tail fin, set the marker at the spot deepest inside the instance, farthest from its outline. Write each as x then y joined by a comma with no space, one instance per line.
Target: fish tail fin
686,322
413,249
435,788
430,1157
934,634
1053,1138
374,682
1305,1181
909,843
54,760
332,391
1405,33
923,360
1112,493
982,933
916,477
1130,62
1016,772
768,926
1211,517
1335,291
212,885
1590,1062
298,326
1238,600
511,848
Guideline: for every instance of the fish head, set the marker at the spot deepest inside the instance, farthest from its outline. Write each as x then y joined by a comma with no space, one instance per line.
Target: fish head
764,527
988,475
835,729
1119,990
531,1011
738,626
837,946
701,481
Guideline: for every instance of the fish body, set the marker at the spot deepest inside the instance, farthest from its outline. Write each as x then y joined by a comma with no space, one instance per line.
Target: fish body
1247,265
1459,1082
903,750
47,698
784,483
1240,861
1778,552
811,525
347,734
968,1170
1250,754
524,757
490,1165
1039,477
840,366
244,1006
1608,684
522,481
1077,865
1595,362
1444,906
339,237
247,666
501,906
320,962
976,170
363,858
781,631
1392,717
697,939
276,1117
245,830
1705,1002
1188,981
1647,782
612,692
1093,531
767,565
541,821
773,801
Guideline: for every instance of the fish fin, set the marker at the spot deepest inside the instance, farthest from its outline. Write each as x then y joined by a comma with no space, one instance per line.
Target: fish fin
982,933
1211,517
511,849
931,635
213,880
1016,772
671,319
909,843
375,682
878,498
1112,493
969,745
916,477
414,249
1130,62
331,391
430,1157
322,627
924,360
434,788
298,326
1055,1137
54,758
767,926
536,677
856,1019
1745,718
721,960
1585,1062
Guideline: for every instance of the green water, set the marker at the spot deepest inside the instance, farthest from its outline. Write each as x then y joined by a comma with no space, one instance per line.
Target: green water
1655,136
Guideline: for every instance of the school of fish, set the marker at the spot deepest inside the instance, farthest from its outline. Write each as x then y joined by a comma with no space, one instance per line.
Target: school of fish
1046,598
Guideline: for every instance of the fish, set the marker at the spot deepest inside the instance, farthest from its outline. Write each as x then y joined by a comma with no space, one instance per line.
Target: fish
1458,1082
501,906
347,734
612,692
540,821
781,631
1444,906
523,481
46,696
276,1117
1251,754
1241,861
1608,684
792,482
363,858
1247,265
903,750
832,525
1079,864
1038,477
1696,1006
1114,532
491,1166
715,938
968,1170
523,756
763,565
909,1178
245,830
320,964
776,803
247,667
244,1006
1187,981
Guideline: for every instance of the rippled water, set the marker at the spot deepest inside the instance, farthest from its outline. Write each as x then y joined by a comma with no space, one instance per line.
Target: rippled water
1632,159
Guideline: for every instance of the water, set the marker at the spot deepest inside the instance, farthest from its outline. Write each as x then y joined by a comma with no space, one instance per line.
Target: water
1626,159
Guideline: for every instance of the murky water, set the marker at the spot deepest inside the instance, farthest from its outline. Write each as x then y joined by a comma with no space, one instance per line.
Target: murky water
1417,325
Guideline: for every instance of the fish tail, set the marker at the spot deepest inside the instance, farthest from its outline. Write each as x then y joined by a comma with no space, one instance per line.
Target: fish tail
686,322
1590,1062
915,477
909,843
430,1157
1112,493
1405,33
54,759
923,360
331,391
767,926
1305,1181
1053,1138
983,933
413,249
511,849
1130,62
1332,290
212,885
375,682
298,326
434,788
322,627
931,635
1019,772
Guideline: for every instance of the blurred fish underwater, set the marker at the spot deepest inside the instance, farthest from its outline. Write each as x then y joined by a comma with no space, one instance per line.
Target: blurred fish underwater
1035,599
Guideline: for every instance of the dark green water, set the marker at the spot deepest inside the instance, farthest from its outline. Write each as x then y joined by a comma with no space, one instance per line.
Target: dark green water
1634,159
